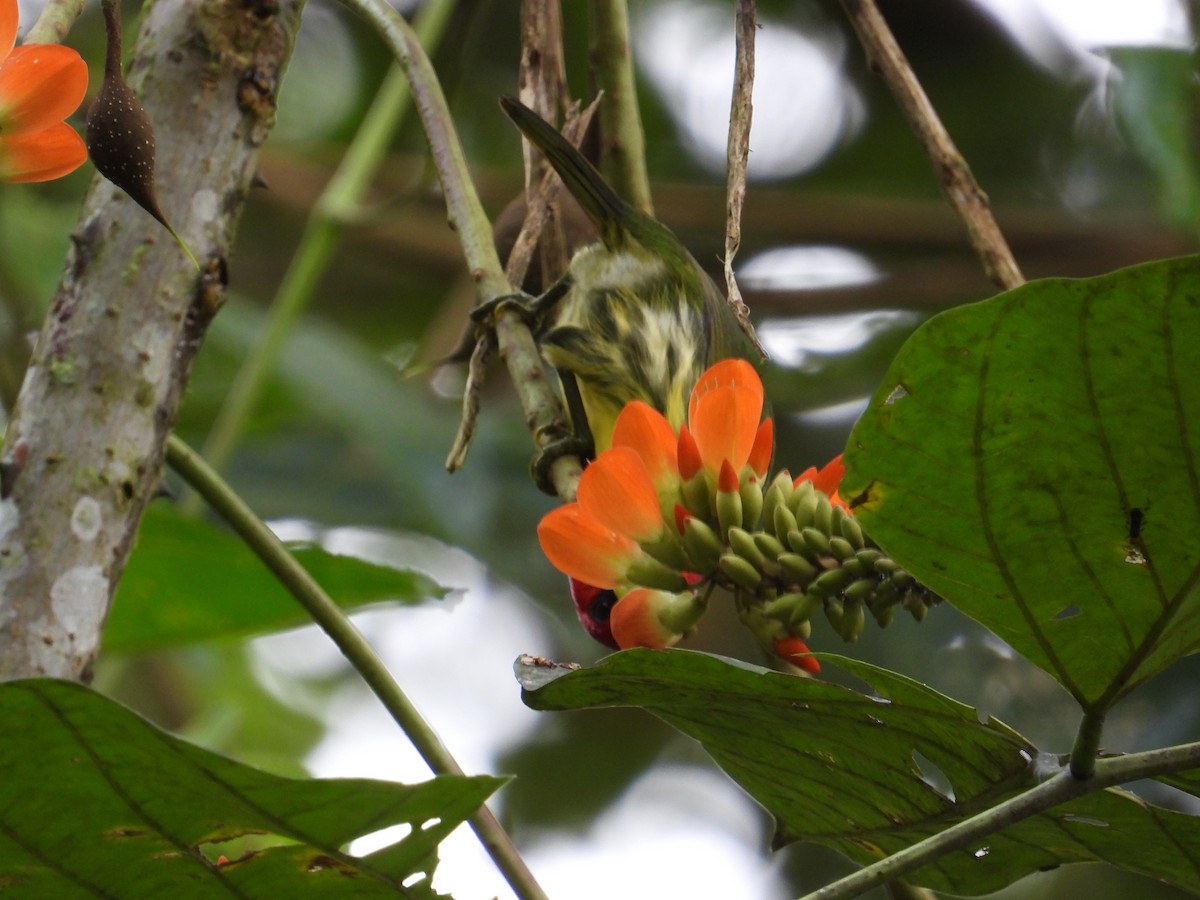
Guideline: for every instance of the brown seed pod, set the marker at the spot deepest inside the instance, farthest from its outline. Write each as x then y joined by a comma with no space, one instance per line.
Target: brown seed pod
119,137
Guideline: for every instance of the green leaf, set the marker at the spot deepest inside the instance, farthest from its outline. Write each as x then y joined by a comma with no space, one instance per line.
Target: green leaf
95,801
844,769
1033,459
188,580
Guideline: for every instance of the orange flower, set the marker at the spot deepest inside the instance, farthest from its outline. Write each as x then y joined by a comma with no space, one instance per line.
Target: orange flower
654,619
40,85
826,480
598,539
723,420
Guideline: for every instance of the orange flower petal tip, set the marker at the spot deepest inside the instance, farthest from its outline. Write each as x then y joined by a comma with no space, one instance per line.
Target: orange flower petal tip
795,651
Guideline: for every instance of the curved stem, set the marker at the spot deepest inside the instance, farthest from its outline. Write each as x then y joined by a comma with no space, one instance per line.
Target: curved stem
357,650
1087,745
1057,790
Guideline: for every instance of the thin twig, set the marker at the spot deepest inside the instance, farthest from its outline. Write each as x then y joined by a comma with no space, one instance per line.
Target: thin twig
472,392
966,197
737,154
624,153
357,650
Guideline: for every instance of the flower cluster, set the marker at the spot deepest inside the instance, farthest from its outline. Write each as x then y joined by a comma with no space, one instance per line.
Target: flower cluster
661,518
40,85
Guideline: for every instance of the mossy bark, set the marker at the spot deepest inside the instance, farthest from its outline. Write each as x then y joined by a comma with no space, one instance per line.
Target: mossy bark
84,449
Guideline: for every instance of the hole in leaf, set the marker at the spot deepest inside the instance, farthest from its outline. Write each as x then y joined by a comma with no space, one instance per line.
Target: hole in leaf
377,840
414,879
932,775
1067,612
430,823
899,392
982,852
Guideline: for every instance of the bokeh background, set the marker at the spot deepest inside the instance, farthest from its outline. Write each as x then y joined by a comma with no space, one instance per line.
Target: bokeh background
1078,118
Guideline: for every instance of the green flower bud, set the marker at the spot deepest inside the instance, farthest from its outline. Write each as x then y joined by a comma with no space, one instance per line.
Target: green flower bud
742,543
702,545
697,496
729,510
853,532
831,582
862,590
883,613
823,515
835,612
803,504
796,569
916,606
816,541
841,548
784,520
769,545
853,620
752,502
649,572
776,497
740,572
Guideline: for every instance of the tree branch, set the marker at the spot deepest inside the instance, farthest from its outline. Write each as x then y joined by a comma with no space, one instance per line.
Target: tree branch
83,452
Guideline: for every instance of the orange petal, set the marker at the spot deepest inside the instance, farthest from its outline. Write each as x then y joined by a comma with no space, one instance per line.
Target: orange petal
689,455
830,476
764,446
42,155
635,621
40,85
724,411
617,491
643,429
584,549
9,12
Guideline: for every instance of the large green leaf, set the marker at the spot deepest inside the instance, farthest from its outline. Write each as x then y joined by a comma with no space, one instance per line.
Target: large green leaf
188,580
96,802
1033,459
843,768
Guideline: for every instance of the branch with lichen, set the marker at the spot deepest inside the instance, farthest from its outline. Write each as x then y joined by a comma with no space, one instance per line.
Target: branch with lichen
83,451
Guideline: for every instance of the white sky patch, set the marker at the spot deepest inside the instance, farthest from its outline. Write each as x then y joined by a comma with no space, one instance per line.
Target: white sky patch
804,105
801,342
807,267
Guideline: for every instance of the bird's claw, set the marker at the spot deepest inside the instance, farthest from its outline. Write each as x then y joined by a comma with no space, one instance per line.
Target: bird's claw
565,445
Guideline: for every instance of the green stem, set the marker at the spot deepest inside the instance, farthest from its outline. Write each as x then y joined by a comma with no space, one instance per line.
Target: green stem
55,21
336,208
1059,789
333,621
620,118
1087,745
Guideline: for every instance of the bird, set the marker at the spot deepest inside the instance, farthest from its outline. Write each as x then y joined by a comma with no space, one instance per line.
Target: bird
635,316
